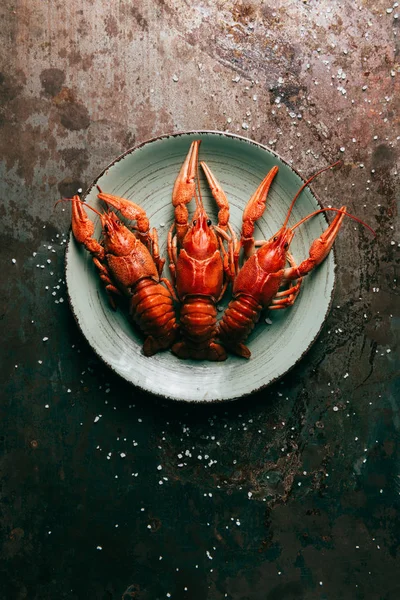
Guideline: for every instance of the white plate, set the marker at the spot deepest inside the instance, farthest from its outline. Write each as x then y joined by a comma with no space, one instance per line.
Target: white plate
146,174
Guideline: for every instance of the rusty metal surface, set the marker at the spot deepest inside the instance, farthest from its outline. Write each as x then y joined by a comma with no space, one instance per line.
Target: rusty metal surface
107,492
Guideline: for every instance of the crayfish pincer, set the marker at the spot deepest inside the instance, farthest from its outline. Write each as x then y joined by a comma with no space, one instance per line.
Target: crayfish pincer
200,265
129,264
265,281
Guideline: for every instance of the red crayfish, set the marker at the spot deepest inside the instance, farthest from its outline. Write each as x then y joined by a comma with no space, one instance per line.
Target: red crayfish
129,264
258,284
200,265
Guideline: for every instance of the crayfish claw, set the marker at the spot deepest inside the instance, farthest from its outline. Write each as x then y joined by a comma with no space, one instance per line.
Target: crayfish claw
185,189
218,195
254,210
128,209
83,228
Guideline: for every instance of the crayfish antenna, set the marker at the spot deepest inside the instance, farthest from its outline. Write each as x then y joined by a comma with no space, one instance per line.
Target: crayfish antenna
338,210
77,199
337,163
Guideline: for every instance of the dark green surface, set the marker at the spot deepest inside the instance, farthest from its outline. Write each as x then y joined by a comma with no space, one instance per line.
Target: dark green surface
61,497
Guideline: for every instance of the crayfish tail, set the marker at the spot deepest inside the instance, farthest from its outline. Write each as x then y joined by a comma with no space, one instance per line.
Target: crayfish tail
239,349
153,311
213,351
198,329
152,345
237,323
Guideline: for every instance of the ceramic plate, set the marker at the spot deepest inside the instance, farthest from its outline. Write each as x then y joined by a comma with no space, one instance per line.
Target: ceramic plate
146,174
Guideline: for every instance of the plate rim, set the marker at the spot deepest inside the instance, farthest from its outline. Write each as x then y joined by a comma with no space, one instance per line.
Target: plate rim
141,386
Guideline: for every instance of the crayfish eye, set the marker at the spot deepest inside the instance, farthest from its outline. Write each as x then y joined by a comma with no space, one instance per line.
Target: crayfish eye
286,245
275,238
194,222
209,222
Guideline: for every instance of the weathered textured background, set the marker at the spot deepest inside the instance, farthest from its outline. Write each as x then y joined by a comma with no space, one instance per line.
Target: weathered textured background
292,493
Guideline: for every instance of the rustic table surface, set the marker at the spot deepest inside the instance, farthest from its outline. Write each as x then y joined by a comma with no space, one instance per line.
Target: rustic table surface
290,493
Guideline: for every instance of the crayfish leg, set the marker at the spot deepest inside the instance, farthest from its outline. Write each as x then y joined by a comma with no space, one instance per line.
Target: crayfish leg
287,297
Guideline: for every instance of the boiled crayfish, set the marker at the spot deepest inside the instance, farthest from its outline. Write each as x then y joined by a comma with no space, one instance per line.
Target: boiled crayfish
200,265
258,284
129,264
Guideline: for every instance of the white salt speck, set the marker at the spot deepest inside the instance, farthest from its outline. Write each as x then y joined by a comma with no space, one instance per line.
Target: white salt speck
122,454
99,548
45,339
47,406
159,467
209,555
345,376
96,419
14,260
335,408
245,126
175,78
342,149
